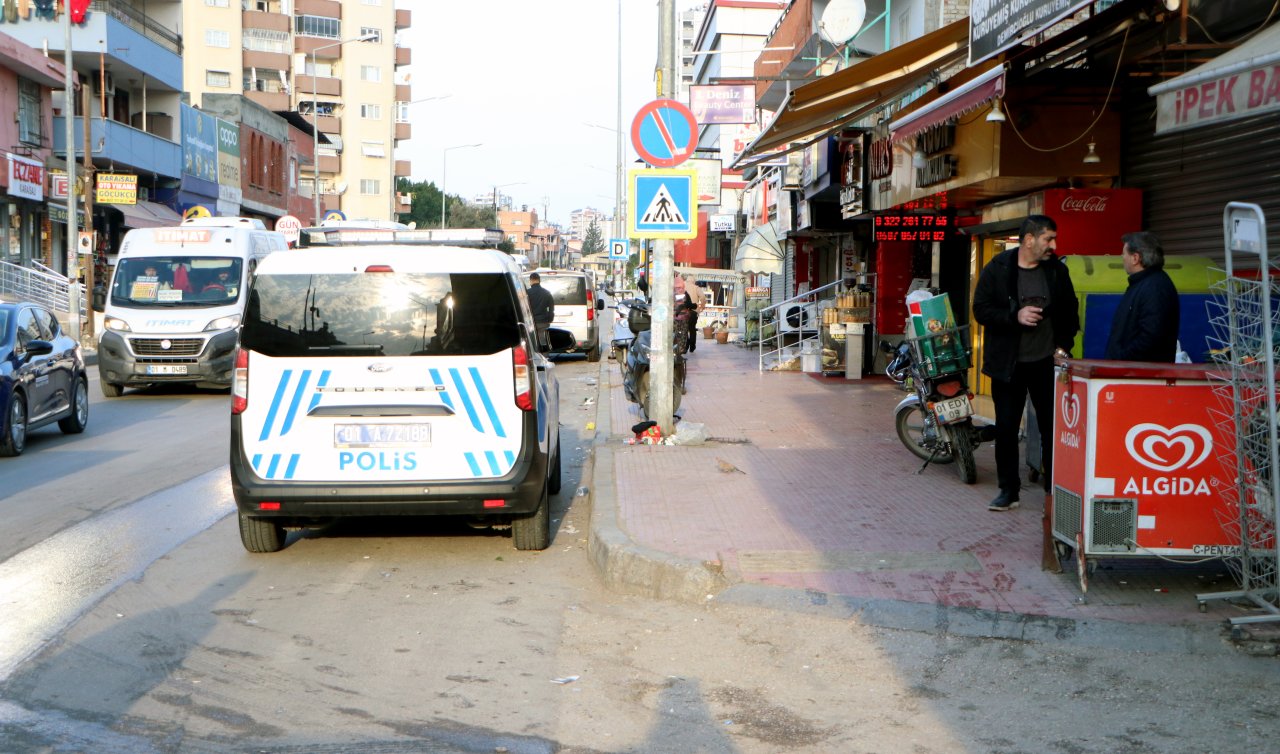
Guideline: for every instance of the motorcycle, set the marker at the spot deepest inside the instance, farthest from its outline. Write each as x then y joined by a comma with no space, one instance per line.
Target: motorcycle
935,422
631,348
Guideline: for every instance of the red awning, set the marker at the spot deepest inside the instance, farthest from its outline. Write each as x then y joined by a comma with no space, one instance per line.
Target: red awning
966,97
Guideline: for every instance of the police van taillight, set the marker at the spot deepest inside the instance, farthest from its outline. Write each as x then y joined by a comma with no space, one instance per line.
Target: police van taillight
591,305
240,383
523,381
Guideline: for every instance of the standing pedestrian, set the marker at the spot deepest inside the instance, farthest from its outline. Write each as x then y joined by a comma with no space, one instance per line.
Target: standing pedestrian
687,312
543,307
1028,309
1145,327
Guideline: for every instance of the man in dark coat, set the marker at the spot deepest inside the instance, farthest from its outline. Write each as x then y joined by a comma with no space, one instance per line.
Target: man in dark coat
542,305
1028,309
1145,327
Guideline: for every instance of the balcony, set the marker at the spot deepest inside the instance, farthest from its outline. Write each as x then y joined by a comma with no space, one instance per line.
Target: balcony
328,124
326,8
271,100
126,148
272,61
403,18
403,56
329,163
318,85
403,168
404,131
404,93
330,201
306,45
253,19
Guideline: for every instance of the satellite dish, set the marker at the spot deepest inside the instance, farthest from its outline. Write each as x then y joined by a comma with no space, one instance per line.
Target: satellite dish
340,189
841,20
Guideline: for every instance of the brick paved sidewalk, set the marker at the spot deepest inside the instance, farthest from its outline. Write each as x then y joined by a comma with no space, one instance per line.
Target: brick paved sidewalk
824,498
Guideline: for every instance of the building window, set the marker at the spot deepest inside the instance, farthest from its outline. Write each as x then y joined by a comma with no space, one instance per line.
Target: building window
266,40
371,2
370,73
218,79
217,38
375,31
371,112
402,112
217,3
317,26
28,111
370,186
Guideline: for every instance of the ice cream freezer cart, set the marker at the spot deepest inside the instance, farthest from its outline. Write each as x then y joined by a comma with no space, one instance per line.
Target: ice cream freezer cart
1139,463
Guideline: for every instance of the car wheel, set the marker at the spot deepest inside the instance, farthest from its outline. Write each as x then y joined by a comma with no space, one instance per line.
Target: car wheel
75,423
553,481
14,439
261,534
533,532
111,389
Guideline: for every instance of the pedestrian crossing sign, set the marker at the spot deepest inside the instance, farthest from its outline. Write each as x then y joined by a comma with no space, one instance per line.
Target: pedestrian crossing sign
662,203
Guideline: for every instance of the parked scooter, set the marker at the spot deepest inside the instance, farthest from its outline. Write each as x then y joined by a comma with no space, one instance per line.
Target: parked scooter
631,343
935,422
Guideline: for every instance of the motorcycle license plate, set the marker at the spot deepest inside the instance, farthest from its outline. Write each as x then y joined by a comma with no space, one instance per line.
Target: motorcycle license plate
952,409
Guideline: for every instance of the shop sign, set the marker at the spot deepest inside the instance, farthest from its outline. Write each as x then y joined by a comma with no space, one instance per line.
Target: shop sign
709,175
26,178
804,215
851,180
756,291
997,25
1090,221
722,223
199,144
723,104
115,188
1238,95
228,162
881,159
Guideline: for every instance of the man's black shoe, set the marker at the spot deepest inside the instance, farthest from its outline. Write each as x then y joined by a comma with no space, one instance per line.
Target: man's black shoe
1005,501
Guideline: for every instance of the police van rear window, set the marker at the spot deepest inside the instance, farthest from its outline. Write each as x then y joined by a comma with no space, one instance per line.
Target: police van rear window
380,313
570,290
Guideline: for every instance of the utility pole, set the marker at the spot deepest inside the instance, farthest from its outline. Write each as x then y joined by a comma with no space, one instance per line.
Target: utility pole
662,283
91,270
69,123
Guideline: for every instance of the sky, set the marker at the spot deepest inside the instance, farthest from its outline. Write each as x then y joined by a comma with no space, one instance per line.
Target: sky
522,78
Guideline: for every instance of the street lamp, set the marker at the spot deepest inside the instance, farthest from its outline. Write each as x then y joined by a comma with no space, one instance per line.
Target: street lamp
495,196
391,152
444,172
315,118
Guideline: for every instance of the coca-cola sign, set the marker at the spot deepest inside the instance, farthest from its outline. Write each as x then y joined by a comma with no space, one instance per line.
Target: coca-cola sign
1094,203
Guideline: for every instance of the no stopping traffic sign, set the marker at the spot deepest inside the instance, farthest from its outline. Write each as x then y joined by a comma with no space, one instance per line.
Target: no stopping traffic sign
664,133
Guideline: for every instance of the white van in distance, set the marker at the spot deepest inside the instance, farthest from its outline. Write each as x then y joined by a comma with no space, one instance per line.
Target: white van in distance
175,301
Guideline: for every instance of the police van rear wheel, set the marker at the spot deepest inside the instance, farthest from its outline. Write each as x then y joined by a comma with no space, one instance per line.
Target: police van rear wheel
533,532
594,354
261,534
553,481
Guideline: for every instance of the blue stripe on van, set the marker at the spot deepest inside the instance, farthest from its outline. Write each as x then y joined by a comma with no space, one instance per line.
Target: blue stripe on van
293,465
511,458
444,394
471,461
493,462
466,400
275,403
257,461
297,401
488,404
271,468
315,397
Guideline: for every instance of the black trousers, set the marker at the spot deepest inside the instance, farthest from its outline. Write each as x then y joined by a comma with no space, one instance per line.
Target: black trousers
1034,378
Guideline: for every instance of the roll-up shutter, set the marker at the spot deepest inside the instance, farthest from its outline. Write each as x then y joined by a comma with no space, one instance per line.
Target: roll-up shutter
1188,177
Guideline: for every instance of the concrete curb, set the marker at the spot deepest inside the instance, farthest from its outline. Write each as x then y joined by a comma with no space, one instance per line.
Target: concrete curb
624,565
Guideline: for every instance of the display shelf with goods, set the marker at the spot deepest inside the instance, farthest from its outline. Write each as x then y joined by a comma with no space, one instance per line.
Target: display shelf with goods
850,313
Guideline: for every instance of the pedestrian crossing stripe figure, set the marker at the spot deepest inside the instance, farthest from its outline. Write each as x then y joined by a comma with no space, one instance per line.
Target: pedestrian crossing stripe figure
663,209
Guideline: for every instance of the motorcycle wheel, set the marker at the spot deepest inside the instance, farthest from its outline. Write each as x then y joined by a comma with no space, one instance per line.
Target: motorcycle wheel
910,423
962,450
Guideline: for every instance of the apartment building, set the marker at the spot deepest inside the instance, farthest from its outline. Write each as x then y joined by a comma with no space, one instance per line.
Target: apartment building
517,227
338,63
580,220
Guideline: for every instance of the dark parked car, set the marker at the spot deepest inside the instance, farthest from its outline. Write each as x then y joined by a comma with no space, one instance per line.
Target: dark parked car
42,378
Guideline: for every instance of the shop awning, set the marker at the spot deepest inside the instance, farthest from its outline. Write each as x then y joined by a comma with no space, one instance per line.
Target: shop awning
147,215
965,97
1237,84
818,108
760,251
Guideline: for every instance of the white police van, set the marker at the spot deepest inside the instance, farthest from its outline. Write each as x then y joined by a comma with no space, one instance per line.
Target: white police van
382,378
175,300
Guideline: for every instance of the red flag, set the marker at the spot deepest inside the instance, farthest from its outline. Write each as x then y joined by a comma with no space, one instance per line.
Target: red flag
78,8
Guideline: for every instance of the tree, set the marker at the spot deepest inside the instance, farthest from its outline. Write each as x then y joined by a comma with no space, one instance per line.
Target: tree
594,242
425,210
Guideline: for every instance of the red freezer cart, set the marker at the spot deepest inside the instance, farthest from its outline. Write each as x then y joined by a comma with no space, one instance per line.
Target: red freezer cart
1139,462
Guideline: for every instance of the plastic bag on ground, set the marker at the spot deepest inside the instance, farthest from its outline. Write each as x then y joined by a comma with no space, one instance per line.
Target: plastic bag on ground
689,433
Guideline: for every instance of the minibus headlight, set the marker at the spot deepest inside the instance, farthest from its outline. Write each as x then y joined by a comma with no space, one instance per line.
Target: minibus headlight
229,322
117,324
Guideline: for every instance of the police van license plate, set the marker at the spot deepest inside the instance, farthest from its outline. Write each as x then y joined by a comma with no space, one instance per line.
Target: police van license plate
381,435
166,369
952,409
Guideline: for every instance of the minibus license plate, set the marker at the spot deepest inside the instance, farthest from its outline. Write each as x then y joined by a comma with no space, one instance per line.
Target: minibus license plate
381,435
166,369
953,409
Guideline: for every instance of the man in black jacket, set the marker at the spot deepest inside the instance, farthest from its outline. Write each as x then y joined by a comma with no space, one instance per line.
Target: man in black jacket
1028,309
1145,327
542,305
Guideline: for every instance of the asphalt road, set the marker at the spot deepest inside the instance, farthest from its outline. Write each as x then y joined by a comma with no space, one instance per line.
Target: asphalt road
131,620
